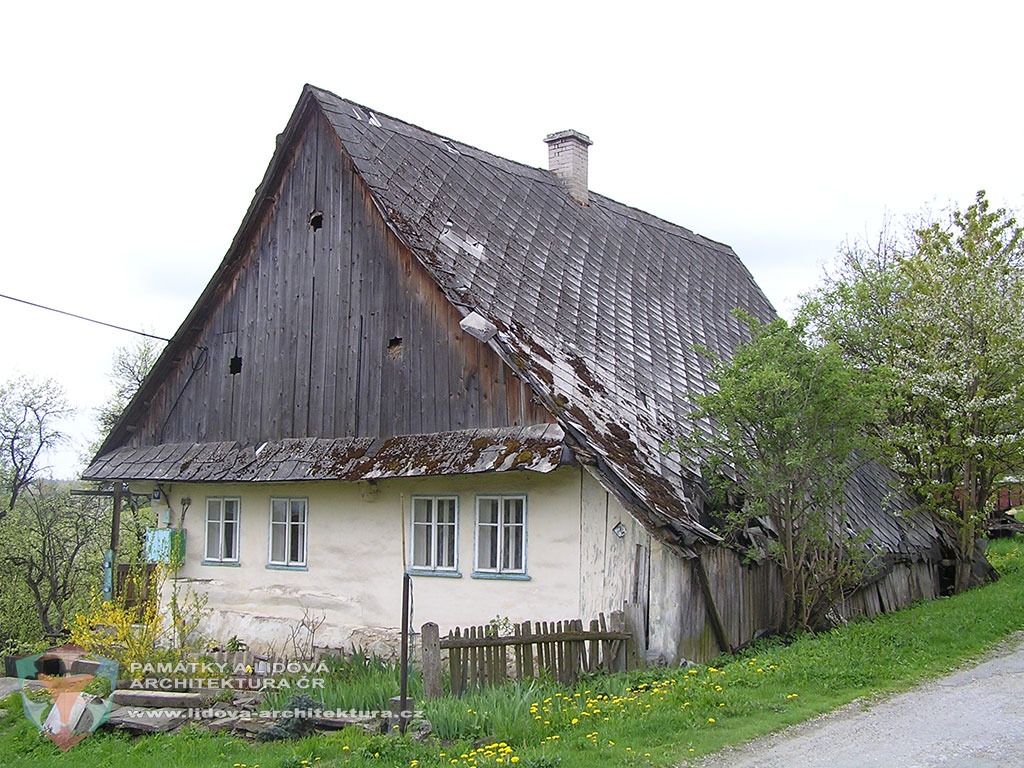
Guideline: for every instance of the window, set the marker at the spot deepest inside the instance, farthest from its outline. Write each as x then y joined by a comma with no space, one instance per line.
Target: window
501,534
435,532
288,532
222,517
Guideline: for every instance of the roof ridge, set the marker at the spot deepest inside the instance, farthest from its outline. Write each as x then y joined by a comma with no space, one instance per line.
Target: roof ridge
544,174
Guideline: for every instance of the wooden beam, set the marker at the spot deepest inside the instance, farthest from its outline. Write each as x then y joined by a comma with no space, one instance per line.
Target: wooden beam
709,605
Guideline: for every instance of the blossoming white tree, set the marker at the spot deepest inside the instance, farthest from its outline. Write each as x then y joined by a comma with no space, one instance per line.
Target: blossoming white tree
938,316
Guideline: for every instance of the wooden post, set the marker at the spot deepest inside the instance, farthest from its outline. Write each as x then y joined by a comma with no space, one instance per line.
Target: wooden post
714,618
617,623
633,621
403,673
431,661
115,524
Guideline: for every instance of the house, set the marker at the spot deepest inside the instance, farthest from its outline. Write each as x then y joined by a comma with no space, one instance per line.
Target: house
418,356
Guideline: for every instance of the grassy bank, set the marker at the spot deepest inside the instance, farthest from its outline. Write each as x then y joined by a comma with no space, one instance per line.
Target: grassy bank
650,718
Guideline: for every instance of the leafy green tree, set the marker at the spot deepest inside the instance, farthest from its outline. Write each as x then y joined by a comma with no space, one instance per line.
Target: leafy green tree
30,413
791,422
129,368
936,314
53,548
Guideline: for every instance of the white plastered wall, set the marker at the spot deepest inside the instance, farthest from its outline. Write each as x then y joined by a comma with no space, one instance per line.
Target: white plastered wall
354,558
609,571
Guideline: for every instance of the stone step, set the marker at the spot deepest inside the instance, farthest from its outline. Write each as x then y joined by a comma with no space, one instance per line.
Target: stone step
145,720
129,697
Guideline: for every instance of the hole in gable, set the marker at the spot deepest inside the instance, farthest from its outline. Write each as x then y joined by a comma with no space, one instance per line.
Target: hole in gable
395,348
316,220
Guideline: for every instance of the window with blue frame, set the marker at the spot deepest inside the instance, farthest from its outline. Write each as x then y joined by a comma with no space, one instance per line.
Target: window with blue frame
222,521
500,534
288,532
435,533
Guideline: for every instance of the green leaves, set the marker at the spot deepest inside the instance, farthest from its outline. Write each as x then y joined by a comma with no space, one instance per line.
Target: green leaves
790,421
936,315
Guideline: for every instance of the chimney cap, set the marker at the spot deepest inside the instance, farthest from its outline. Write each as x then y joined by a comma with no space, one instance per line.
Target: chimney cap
568,134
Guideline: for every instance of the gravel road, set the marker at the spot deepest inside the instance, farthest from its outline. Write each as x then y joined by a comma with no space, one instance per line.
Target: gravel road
973,718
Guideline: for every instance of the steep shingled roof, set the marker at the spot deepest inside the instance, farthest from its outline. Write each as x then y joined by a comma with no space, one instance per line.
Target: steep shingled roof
601,307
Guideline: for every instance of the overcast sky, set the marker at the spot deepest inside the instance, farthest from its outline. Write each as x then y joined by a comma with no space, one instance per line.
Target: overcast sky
134,135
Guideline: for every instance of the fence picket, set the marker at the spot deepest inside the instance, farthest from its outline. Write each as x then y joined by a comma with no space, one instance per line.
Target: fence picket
562,650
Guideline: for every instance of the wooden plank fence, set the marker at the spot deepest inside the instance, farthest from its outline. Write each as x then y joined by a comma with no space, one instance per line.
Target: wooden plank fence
563,650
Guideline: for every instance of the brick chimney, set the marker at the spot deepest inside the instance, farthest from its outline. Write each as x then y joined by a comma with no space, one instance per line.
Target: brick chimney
567,159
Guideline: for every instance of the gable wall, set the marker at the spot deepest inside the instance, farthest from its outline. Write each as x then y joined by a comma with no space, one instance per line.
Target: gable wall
311,315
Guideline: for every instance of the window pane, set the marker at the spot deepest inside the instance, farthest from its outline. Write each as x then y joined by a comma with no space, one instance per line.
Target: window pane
231,539
296,549
230,509
487,549
213,509
488,511
446,511
446,556
212,540
512,557
277,541
421,510
298,510
421,545
514,510
279,510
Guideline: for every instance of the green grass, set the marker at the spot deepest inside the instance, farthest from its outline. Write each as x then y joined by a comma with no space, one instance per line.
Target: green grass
646,718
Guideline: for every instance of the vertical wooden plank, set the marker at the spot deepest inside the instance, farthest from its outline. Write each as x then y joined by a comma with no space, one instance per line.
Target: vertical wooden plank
301,272
617,623
528,649
594,657
431,661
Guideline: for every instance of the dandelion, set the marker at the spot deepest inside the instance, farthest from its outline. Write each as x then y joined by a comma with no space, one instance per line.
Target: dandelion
711,719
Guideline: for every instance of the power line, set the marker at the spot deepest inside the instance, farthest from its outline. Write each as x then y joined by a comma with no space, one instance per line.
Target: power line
82,317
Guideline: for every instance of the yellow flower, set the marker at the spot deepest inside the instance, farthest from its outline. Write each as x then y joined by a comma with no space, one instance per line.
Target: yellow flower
711,719
514,760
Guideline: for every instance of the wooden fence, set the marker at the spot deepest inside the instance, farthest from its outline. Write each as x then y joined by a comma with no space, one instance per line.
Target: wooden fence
563,650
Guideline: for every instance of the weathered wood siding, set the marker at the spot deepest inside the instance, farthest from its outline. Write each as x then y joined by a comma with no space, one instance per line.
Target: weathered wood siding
340,331
904,584
661,593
